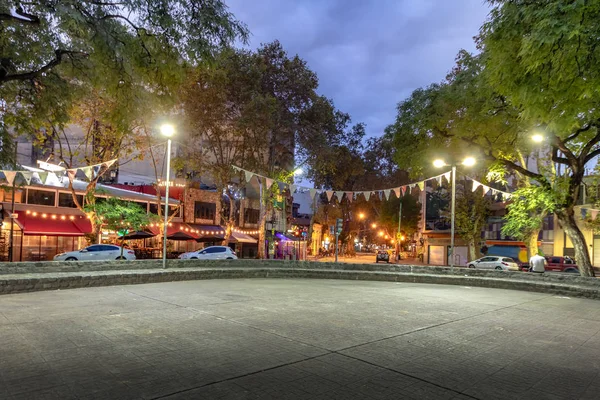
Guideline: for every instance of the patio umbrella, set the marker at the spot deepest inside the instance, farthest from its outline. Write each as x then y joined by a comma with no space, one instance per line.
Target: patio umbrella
180,236
139,235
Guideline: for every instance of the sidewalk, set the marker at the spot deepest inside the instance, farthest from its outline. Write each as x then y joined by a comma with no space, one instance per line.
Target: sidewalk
365,258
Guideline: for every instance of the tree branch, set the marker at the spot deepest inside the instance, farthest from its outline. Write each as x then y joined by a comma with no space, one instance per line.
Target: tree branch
33,74
27,18
590,156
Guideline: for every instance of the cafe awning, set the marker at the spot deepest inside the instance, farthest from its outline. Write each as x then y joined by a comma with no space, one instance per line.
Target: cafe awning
238,237
53,225
208,233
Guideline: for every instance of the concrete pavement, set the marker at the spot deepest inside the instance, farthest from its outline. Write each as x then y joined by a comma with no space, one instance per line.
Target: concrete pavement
297,339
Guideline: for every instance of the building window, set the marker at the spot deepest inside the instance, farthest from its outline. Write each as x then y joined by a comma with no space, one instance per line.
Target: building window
205,210
251,216
7,195
66,200
154,209
41,197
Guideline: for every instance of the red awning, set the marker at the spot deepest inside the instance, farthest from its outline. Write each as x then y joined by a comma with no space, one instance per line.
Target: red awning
49,226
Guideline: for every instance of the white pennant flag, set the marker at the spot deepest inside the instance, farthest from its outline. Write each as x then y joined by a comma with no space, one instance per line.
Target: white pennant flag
27,176
71,173
339,195
475,185
313,192
269,182
329,195
10,176
237,169
387,192
43,176
485,189
248,175
439,180
397,192
421,185
447,176
88,172
350,196
292,189
109,163
367,195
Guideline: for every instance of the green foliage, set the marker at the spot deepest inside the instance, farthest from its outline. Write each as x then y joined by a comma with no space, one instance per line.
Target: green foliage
118,215
128,53
528,206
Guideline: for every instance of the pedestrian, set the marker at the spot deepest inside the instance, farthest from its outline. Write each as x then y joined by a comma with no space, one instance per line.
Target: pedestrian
537,264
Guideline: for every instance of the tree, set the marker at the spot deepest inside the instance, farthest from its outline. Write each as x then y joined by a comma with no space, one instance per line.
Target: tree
258,110
536,70
123,47
121,217
470,216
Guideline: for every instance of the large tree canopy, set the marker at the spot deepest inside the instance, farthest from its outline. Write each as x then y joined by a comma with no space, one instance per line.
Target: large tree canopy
537,70
53,53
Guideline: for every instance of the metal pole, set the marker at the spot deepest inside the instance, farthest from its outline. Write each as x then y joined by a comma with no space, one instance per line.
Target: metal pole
164,263
336,244
398,239
12,224
452,216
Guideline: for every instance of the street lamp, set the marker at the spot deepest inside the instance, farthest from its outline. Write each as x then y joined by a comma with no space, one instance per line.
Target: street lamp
167,130
373,225
537,138
467,162
361,216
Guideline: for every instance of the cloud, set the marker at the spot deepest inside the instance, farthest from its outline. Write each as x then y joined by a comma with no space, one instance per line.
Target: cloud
368,55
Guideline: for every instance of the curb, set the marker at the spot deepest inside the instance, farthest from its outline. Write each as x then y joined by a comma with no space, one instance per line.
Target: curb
21,283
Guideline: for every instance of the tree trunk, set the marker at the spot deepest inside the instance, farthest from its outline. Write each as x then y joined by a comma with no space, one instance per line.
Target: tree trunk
531,242
230,218
262,237
472,250
566,218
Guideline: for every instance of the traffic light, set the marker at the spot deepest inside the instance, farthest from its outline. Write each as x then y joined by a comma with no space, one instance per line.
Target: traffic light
338,225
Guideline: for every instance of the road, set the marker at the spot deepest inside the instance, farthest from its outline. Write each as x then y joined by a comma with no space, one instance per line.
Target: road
297,339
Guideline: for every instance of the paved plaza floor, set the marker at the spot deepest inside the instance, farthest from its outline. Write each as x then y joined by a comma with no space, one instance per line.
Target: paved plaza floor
297,339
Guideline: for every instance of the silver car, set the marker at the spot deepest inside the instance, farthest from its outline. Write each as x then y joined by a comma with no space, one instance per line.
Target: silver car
210,253
494,262
97,252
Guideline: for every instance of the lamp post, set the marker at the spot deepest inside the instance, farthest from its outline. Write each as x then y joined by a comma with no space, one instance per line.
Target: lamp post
168,131
467,162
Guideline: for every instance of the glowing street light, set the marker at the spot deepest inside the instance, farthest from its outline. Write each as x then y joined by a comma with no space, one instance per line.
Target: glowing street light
361,216
537,138
167,130
373,225
380,233
467,162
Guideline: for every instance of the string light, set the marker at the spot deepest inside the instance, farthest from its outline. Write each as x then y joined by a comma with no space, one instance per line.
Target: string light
44,215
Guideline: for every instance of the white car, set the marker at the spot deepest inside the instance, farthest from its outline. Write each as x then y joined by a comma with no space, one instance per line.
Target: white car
210,253
97,252
494,262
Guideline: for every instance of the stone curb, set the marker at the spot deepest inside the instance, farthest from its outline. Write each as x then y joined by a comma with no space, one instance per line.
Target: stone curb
19,283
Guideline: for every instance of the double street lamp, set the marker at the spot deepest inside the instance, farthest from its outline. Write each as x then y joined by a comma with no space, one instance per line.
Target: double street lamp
167,131
467,162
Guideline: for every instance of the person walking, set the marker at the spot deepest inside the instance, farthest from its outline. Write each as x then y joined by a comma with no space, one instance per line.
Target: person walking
537,264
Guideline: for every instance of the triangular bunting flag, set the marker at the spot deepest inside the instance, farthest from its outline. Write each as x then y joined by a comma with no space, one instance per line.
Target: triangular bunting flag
88,172
43,177
313,192
583,213
350,196
397,192
27,176
387,192
421,185
248,175
486,189
269,182
339,194
237,169
292,189
10,176
439,180
281,186
447,176
594,214
403,188
71,174
329,195
367,195
109,163
475,185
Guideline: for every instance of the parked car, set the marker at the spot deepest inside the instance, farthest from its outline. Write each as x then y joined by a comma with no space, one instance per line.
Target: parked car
97,252
494,262
210,253
382,255
561,264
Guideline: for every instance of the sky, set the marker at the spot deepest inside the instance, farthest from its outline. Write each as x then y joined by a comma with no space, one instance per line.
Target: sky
368,54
